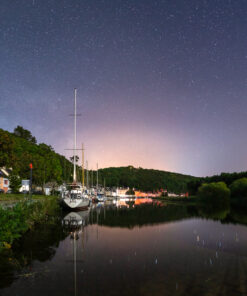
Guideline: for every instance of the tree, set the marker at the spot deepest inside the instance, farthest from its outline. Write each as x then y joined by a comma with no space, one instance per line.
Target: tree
215,194
76,158
239,189
6,149
15,182
19,131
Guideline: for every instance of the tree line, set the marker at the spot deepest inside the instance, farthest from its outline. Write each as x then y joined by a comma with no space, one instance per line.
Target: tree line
144,179
227,178
20,148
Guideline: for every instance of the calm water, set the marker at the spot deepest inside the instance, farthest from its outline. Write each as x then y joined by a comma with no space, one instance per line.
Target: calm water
142,250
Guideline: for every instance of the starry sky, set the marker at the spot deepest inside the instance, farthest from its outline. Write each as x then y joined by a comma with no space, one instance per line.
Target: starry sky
161,84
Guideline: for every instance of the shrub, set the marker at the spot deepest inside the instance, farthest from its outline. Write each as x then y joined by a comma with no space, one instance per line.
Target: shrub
15,183
216,194
239,189
23,216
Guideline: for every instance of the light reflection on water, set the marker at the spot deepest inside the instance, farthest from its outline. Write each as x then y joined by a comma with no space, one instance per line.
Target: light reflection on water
110,251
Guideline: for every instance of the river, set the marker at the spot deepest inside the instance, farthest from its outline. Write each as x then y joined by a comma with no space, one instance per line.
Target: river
161,249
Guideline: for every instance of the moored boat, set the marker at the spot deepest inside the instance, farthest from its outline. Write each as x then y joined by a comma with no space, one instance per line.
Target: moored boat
75,198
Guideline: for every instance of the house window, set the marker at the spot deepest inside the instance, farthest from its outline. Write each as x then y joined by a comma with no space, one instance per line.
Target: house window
6,182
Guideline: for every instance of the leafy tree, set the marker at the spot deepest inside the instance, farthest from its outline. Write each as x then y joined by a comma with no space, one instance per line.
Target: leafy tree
18,153
215,194
6,149
15,182
193,186
227,178
19,131
239,189
76,158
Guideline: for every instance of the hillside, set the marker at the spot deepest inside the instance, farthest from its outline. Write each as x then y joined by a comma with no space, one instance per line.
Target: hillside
144,179
19,149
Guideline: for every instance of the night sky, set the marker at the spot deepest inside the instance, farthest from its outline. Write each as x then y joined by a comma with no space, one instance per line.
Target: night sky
161,84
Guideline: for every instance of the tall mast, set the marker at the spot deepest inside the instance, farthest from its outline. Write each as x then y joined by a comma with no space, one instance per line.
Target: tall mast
97,177
74,160
87,174
82,165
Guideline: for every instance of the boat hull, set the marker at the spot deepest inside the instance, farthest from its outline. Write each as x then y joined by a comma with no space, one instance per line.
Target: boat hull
75,204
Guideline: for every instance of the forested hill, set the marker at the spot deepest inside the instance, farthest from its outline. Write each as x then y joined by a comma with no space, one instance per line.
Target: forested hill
145,179
20,148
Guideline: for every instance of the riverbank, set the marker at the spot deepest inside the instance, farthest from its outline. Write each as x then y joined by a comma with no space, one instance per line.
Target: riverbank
20,197
24,216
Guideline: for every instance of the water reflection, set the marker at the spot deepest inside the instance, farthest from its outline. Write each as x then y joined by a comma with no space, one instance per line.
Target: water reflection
74,223
40,244
132,249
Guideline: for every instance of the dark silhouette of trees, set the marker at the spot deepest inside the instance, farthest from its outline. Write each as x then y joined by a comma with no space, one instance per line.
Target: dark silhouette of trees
19,131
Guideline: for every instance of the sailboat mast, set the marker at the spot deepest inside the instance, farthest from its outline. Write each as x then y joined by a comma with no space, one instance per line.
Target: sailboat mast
97,177
82,165
87,174
74,160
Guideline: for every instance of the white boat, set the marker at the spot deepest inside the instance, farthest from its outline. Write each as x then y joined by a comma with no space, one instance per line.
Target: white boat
74,197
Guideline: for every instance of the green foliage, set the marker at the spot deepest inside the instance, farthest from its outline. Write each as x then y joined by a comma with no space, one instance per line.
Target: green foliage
12,224
23,216
37,244
15,182
239,189
144,179
215,194
6,149
19,131
76,158
193,185
227,178
19,151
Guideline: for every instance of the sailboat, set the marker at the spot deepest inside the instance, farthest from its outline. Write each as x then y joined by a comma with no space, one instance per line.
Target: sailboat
74,197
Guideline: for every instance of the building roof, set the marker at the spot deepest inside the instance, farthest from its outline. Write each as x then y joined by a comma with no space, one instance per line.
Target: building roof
4,172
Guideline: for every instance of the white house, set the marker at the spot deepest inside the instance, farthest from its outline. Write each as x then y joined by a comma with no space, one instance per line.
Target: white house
24,185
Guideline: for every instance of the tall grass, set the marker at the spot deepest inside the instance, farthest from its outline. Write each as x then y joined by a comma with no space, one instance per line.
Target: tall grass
23,216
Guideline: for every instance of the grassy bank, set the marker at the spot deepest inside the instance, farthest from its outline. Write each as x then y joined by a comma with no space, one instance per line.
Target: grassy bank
21,197
24,216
